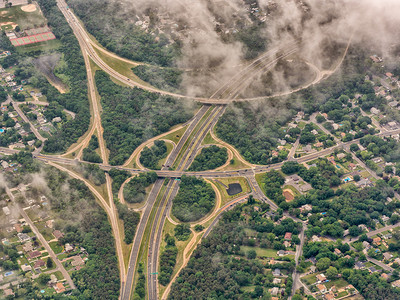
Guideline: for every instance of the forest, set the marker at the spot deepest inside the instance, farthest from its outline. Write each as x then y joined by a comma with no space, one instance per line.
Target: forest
149,157
111,25
135,189
167,79
209,158
195,199
89,153
131,220
167,260
76,99
132,116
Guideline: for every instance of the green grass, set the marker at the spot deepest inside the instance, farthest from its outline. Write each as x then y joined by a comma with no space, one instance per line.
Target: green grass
42,46
59,275
226,181
341,294
261,252
309,279
56,247
176,135
339,283
209,140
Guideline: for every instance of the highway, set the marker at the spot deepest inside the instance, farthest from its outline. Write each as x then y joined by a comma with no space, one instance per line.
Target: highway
127,289
264,60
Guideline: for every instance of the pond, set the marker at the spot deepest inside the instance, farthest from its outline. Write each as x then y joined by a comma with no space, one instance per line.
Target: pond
233,189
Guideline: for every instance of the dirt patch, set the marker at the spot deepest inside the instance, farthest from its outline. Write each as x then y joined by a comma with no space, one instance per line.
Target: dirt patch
46,65
288,194
9,23
29,8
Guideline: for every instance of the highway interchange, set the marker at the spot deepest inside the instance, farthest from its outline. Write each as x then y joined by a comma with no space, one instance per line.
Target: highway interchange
148,238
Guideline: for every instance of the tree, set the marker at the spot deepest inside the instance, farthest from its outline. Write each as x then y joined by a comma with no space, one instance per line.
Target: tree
331,273
44,278
354,147
323,263
198,227
49,263
251,254
356,178
320,119
290,167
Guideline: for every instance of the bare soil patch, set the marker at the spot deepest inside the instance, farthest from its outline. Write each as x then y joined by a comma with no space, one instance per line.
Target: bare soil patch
29,8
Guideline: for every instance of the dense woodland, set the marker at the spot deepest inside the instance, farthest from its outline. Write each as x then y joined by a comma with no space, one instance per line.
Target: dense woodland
209,158
111,25
149,157
167,79
167,260
131,116
89,153
135,189
76,99
131,220
195,199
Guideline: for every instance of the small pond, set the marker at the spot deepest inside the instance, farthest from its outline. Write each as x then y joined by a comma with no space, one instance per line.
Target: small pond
233,189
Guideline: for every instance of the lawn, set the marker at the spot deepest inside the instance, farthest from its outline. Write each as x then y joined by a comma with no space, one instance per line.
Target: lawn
209,140
309,279
341,294
261,252
226,181
176,135
59,275
339,283
56,247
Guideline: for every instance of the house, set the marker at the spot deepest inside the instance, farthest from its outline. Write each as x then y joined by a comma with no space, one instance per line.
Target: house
387,255
341,155
393,103
6,210
313,269
8,292
322,288
28,247
314,132
307,148
39,264
276,273
18,227
34,254
377,241
375,111
58,234
387,236
277,281
363,227
372,270
288,236
56,120
338,252
329,296
23,237
396,283
385,276
26,268
306,207
274,291
68,248
77,261
287,244
49,223
321,278
305,187
59,287
281,253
